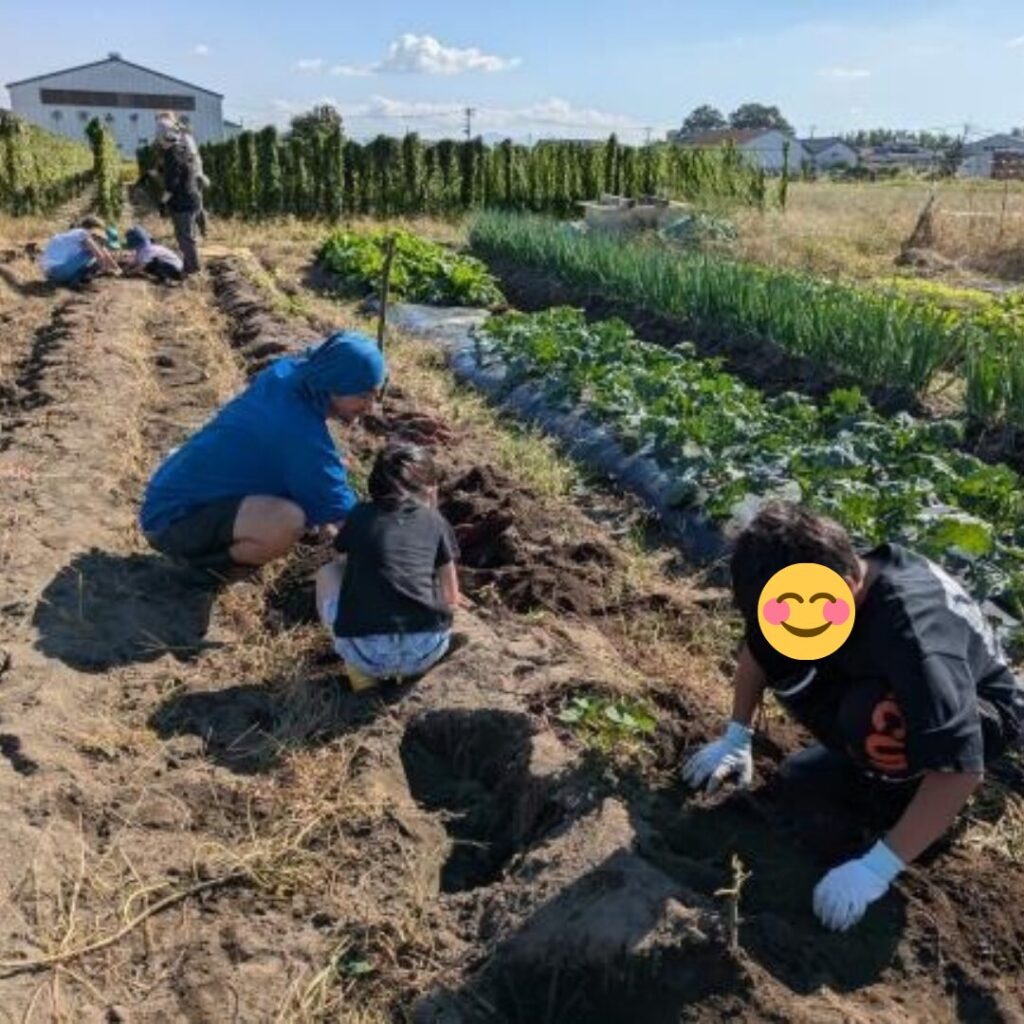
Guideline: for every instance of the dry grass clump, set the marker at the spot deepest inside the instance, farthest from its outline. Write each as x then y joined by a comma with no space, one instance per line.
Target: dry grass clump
994,819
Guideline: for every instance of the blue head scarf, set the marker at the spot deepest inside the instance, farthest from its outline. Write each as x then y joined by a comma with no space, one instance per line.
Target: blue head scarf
347,363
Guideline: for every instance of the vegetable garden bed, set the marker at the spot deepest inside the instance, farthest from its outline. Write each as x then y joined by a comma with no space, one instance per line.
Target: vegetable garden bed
890,342
421,271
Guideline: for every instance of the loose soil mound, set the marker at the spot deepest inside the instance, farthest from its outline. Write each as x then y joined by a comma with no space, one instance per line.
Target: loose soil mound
510,546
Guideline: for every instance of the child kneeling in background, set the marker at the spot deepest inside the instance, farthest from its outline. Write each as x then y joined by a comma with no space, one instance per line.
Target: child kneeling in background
156,261
389,606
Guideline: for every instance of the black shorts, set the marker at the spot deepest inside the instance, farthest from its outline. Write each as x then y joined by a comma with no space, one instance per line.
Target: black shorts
163,271
203,538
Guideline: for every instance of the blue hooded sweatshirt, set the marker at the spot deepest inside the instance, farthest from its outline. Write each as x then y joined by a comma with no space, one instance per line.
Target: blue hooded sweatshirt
272,439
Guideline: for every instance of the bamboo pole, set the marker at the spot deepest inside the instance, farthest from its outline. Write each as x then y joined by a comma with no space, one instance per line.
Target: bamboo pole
385,288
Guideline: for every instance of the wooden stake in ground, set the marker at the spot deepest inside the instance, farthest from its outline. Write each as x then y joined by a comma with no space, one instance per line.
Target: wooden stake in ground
740,876
385,288
923,235
382,317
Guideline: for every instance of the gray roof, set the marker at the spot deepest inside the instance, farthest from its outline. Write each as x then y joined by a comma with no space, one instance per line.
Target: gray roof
816,146
996,142
120,60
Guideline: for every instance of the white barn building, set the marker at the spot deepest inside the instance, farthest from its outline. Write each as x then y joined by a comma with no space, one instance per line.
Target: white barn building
125,96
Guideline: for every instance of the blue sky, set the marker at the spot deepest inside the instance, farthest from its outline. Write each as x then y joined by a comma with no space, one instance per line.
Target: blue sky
557,67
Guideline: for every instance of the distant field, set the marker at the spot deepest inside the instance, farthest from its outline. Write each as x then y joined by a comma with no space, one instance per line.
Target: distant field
857,230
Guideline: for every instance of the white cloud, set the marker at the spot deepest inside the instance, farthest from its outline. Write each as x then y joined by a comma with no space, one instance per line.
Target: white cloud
844,74
411,54
425,55
313,64
349,71
550,117
201,50
1015,43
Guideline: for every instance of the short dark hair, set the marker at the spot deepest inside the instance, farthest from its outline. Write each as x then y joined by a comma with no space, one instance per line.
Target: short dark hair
400,472
92,223
782,534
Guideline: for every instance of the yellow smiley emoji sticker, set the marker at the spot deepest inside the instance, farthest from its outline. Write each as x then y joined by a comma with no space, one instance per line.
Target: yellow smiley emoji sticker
806,611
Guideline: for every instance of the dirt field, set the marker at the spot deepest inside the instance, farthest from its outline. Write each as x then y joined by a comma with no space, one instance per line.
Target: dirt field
204,825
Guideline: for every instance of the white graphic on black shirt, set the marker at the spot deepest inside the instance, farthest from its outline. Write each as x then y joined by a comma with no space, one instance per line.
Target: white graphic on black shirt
961,605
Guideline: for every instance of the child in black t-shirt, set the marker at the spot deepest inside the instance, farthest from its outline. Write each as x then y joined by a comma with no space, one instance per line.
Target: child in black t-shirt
389,606
919,694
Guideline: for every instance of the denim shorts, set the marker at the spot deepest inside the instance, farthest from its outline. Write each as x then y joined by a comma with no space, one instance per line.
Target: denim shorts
393,655
385,655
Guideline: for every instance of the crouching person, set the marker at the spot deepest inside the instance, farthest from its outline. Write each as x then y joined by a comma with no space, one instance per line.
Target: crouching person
241,491
149,258
919,696
74,256
389,606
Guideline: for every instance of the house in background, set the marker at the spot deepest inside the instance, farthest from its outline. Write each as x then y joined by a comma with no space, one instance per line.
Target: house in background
765,147
126,97
998,156
828,153
900,155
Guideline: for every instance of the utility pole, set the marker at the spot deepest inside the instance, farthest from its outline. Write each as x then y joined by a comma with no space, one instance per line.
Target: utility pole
469,112
647,135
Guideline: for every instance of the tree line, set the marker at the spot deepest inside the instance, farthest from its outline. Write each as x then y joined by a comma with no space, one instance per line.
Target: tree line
707,118
320,173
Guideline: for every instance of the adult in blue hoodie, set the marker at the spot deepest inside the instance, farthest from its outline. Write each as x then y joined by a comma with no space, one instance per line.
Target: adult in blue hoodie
241,491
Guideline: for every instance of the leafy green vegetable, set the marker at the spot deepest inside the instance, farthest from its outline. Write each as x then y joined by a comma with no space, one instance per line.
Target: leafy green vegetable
422,271
608,723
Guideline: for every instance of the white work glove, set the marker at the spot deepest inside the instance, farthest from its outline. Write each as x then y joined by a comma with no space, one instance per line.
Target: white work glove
843,895
718,761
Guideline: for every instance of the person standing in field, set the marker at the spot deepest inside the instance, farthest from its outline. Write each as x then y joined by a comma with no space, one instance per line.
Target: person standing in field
388,606
181,196
242,491
916,702
72,257
203,181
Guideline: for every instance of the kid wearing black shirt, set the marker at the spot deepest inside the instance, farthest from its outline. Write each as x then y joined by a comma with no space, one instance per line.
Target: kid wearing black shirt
389,608
919,694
